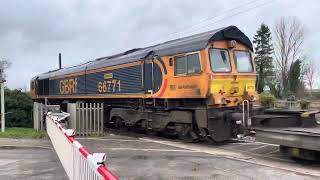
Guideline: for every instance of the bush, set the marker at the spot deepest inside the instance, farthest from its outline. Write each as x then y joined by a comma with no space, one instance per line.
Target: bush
267,99
304,104
19,107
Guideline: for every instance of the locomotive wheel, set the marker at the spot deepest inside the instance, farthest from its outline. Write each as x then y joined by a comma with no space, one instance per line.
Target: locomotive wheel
188,135
151,132
147,125
119,124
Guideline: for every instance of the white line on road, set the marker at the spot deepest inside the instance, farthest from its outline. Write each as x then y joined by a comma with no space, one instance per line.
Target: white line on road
256,148
108,139
254,159
160,150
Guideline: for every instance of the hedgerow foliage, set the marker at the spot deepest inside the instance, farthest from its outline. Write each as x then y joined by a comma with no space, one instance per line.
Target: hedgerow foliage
18,107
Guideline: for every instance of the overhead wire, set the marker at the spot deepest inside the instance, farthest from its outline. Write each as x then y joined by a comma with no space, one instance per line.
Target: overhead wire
223,13
213,17
237,13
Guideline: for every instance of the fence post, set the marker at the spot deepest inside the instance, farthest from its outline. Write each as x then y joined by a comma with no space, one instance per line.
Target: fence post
102,116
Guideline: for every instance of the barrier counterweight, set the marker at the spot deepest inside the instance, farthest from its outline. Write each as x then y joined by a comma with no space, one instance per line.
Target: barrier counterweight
78,163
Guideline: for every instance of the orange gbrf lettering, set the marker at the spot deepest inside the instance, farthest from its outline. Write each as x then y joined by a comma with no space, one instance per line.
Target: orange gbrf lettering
68,86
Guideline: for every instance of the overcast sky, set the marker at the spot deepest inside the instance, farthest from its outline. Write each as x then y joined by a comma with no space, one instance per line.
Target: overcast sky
32,33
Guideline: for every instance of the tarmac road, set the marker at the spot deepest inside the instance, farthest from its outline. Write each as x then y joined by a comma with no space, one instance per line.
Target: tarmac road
144,158
19,160
151,158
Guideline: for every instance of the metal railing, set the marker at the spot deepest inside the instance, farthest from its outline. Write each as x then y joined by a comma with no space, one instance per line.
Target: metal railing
86,118
78,163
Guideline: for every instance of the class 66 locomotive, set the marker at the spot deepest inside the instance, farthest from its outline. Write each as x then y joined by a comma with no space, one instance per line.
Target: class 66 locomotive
196,87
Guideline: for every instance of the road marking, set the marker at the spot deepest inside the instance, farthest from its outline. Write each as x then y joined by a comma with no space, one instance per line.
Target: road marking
240,156
273,151
108,139
200,148
5,162
160,150
256,148
23,146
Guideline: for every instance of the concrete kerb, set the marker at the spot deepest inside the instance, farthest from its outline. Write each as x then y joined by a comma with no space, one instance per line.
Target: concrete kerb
23,147
27,143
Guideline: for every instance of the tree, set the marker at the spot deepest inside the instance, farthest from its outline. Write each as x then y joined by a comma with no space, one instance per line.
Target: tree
289,38
264,60
295,80
4,64
310,72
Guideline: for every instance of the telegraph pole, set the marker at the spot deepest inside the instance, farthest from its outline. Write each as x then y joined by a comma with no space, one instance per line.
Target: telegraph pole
3,114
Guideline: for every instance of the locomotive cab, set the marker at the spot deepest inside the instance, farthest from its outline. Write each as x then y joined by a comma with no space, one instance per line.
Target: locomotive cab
33,87
232,74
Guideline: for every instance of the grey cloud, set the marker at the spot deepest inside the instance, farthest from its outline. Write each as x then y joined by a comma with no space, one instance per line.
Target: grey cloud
32,32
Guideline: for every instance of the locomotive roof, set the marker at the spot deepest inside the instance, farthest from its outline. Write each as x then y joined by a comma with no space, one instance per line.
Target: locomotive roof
182,45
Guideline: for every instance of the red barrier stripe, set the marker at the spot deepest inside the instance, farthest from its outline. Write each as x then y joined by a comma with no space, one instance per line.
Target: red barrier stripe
106,173
84,152
70,139
103,171
164,88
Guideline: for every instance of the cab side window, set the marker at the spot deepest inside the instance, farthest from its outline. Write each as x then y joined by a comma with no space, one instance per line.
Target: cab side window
188,64
180,65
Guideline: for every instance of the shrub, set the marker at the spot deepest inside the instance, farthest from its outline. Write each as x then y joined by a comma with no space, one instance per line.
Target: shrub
267,99
304,104
19,107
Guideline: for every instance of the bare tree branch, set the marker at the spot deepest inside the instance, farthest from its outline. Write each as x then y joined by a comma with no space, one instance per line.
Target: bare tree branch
310,72
289,39
4,64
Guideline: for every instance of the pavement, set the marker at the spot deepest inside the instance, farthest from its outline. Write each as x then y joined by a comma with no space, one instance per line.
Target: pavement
29,159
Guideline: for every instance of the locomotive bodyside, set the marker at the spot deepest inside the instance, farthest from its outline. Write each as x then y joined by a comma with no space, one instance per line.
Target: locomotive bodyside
186,87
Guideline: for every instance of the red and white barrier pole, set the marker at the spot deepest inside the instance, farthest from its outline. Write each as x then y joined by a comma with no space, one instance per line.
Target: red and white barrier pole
78,169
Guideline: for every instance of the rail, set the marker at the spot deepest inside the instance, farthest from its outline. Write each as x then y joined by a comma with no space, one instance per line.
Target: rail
78,163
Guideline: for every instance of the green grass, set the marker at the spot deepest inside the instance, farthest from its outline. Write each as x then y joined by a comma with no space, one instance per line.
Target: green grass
18,132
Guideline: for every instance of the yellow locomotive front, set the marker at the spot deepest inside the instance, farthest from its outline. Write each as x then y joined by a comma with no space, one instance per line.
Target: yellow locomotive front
223,73
232,75
213,82
232,80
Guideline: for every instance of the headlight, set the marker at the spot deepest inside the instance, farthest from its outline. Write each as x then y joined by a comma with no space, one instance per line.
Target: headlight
253,98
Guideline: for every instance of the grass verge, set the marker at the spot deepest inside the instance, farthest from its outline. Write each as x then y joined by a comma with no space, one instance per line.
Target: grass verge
18,132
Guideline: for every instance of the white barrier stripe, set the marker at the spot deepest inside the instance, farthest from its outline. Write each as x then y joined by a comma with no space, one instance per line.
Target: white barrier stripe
77,145
92,162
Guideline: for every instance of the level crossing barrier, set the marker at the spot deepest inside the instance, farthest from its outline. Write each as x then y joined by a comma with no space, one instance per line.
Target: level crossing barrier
78,163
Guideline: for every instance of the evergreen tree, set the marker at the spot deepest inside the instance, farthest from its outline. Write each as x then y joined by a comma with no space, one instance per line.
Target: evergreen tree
295,79
264,60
